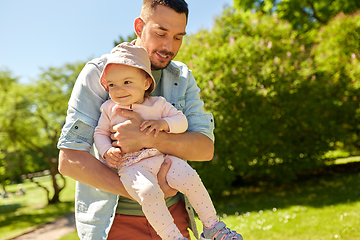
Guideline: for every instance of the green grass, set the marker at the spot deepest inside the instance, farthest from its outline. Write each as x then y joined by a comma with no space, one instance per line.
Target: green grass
70,236
347,160
314,208
340,157
18,214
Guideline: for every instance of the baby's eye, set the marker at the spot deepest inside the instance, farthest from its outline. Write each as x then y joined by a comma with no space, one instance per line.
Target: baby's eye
127,82
111,85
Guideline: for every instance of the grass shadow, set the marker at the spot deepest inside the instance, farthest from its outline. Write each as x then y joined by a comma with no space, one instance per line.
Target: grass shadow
36,216
8,208
316,191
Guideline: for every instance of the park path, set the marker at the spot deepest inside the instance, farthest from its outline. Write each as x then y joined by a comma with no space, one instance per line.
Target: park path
53,230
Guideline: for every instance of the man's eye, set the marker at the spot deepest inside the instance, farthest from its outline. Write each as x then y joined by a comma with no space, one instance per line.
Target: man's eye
160,34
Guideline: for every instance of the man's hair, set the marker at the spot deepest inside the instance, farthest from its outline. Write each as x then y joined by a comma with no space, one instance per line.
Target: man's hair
149,6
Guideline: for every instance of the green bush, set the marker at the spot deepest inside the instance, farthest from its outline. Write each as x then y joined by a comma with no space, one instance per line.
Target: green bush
276,111
337,57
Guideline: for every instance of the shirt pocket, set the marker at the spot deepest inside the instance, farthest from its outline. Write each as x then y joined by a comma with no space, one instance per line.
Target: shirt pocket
180,104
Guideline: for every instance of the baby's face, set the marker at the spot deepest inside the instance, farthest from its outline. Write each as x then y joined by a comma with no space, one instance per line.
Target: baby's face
127,85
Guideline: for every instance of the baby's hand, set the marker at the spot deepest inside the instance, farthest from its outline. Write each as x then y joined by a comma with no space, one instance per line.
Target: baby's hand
154,125
113,156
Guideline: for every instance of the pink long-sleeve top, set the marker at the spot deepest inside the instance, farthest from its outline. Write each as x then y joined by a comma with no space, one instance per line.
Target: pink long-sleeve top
153,108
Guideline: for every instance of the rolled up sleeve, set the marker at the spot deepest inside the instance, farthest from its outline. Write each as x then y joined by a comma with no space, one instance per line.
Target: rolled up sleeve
76,135
84,109
202,123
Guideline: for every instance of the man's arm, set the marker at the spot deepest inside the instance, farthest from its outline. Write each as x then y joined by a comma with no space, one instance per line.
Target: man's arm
192,146
85,168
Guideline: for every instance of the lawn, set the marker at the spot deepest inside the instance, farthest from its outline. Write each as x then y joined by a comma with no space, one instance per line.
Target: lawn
316,208
18,214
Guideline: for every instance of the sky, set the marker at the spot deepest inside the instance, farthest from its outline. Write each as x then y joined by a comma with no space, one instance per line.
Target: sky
38,34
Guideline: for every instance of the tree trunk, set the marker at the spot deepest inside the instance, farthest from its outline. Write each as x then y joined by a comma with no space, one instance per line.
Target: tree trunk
57,189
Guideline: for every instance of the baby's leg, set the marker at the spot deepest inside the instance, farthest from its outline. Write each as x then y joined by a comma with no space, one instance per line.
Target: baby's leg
184,178
140,182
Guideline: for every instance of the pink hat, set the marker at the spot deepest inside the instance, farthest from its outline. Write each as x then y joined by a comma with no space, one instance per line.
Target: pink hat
130,55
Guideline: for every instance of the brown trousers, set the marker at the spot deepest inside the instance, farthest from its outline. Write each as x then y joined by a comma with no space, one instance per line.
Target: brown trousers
126,227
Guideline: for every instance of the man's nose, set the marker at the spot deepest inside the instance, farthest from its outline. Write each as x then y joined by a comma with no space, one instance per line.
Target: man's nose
168,45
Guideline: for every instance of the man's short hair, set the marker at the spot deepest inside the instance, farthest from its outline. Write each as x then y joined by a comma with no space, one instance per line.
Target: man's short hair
149,6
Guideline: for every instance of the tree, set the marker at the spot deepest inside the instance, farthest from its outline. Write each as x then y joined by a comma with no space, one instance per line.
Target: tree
49,96
277,112
302,15
32,121
129,38
337,57
11,163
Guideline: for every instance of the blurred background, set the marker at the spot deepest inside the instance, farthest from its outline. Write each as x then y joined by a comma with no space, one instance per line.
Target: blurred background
282,79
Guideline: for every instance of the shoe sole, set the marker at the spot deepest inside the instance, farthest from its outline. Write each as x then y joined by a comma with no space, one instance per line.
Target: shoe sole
202,237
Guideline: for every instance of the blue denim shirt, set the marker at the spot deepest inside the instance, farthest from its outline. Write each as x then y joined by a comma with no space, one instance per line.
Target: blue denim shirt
95,209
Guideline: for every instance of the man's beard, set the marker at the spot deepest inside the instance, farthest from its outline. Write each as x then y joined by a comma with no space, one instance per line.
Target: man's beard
155,67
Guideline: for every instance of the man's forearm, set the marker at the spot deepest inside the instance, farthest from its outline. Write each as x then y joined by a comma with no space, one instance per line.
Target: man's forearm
192,146
85,168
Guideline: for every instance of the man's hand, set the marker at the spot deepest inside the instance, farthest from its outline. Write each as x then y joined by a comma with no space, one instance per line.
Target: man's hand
161,176
127,135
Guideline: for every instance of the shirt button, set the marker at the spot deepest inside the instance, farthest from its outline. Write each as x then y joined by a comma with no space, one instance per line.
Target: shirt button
175,84
76,127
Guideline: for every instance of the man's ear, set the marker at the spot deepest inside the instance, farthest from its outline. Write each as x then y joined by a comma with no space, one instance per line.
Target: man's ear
138,26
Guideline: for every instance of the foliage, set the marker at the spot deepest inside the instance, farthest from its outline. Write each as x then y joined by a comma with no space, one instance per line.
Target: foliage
302,15
13,118
129,38
337,58
32,121
275,112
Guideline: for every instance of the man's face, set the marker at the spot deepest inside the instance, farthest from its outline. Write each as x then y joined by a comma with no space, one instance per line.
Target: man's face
162,36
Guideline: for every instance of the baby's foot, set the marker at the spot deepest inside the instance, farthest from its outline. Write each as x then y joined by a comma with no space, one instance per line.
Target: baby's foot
221,232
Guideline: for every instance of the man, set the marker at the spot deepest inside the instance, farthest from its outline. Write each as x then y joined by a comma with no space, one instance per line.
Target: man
103,207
